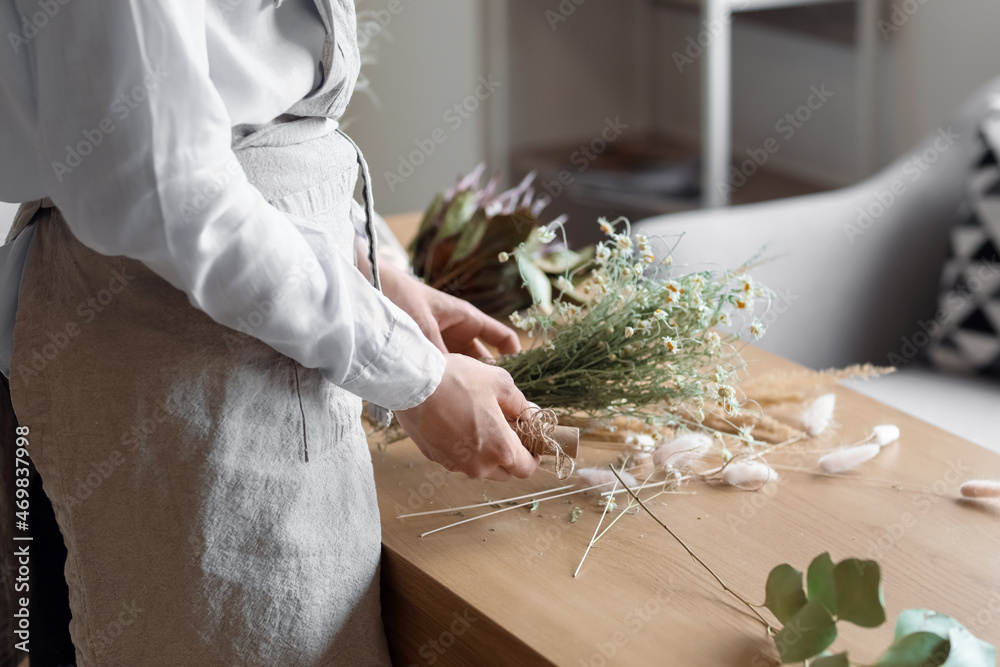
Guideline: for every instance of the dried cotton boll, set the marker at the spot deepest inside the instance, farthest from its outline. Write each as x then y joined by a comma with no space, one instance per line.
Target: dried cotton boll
885,434
846,458
819,415
595,476
682,451
642,466
749,475
642,442
981,488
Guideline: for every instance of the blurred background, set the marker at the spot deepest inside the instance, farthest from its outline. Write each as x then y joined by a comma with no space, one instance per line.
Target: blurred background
560,72
525,84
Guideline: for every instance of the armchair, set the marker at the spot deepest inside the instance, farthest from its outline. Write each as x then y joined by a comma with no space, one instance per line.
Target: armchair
856,270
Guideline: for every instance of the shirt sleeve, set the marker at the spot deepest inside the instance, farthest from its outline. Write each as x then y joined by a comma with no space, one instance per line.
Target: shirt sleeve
132,138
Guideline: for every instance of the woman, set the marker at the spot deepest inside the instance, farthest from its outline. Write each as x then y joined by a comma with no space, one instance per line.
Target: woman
193,338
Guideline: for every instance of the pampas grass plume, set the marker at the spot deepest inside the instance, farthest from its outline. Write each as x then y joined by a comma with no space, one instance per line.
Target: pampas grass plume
595,476
749,475
681,451
848,457
819,415
981,488
885,434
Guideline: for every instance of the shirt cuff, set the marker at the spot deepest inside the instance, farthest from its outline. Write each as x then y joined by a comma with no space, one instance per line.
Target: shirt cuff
404,373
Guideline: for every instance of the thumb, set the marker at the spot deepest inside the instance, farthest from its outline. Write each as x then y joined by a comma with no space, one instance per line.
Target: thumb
510,399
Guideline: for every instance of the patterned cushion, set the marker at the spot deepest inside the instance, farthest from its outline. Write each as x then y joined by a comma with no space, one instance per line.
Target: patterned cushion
967,335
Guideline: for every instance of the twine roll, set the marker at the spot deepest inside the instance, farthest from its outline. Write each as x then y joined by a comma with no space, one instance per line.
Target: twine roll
541,434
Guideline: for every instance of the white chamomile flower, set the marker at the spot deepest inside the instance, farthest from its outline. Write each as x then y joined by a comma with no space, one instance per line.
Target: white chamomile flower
603,254
660,315
746,433
606,226
668,261
638,269
545,235
647,258
629,332
671,344
624,242
757,329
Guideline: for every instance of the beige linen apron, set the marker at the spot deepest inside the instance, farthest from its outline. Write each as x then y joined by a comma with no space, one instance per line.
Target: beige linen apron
216,498
174,451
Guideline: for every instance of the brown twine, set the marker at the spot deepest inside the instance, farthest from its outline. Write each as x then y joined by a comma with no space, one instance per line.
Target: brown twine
534,426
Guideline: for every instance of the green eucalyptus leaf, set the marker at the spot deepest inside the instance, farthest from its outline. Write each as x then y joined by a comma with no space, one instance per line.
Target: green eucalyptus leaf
858,585
839,660
819,582
431,214
966,649
919,649
807,634
537,283
784,594
459,211
559,261
470,236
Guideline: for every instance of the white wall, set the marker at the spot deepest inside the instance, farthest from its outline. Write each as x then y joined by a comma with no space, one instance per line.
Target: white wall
937,58
7,212
595,64
429,60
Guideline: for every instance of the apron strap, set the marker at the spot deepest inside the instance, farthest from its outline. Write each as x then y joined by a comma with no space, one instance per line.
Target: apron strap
377,413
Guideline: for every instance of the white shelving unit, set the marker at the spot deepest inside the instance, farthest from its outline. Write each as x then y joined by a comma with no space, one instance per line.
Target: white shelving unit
717,88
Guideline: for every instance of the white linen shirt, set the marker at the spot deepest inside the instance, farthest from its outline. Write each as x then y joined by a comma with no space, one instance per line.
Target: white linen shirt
122,112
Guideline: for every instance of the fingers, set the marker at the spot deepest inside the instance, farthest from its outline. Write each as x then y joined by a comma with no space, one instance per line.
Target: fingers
429,326
464,322
498,334
498,475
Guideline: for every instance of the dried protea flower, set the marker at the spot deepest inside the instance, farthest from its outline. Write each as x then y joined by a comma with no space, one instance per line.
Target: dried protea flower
461,247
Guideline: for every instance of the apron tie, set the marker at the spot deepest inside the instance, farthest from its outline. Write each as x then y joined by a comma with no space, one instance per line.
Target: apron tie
377,413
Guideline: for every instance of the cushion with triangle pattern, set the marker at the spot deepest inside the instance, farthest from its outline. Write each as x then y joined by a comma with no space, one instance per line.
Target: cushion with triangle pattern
967,335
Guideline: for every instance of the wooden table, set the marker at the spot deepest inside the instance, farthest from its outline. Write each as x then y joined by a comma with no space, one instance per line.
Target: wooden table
501,590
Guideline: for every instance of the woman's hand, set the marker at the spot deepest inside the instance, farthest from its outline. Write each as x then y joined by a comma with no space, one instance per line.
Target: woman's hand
452,324
464,425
